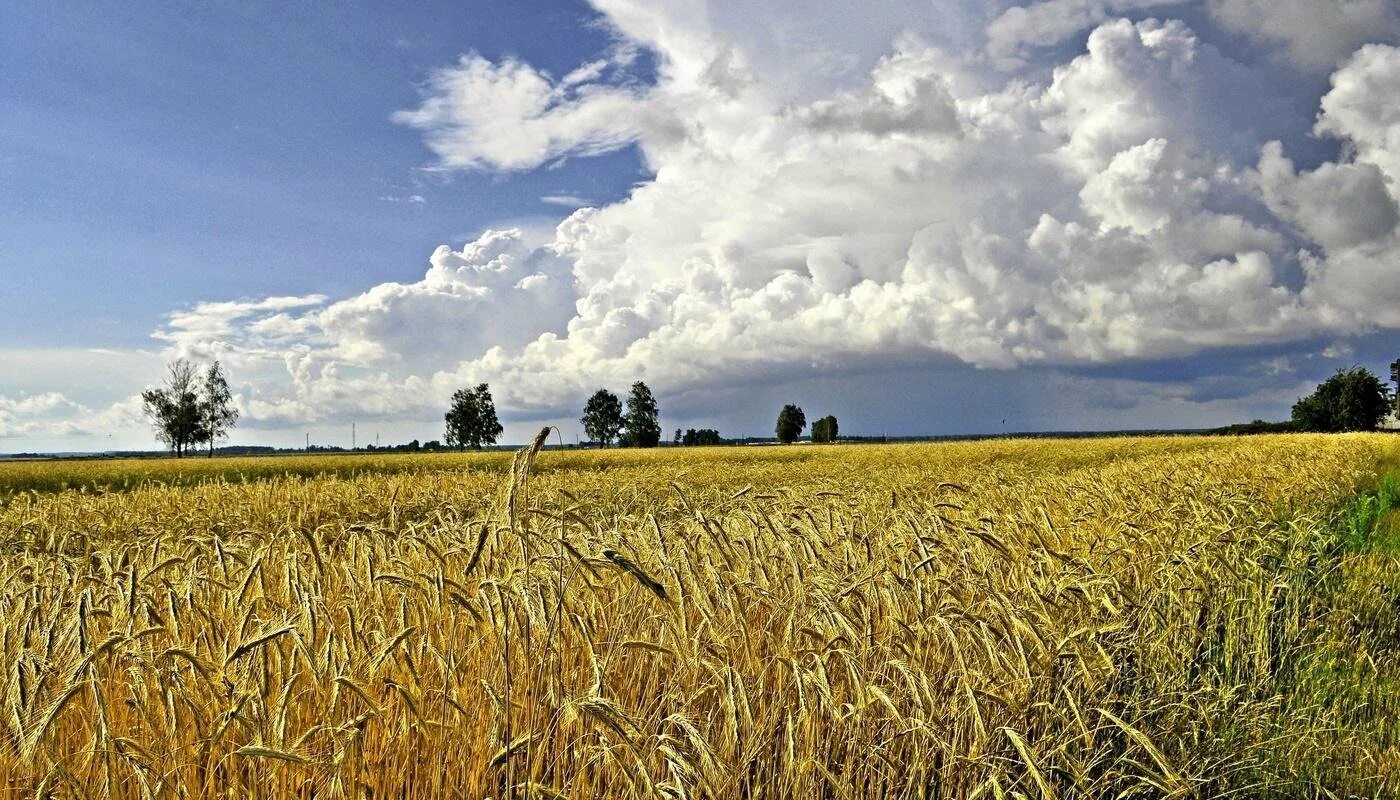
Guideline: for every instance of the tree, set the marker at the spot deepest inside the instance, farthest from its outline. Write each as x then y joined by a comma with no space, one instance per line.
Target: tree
602,417
1352,400
174,410
824,429
791,421
703,436
640,426
217,412
677,440
472,421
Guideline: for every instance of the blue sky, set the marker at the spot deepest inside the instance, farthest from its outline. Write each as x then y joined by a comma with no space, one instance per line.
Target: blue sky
926,217
156,154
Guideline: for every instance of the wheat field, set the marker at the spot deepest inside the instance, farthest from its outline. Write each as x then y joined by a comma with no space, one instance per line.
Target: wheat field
1154,617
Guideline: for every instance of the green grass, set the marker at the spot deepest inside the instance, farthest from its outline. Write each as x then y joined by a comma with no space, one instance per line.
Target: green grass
1369,520
1341,676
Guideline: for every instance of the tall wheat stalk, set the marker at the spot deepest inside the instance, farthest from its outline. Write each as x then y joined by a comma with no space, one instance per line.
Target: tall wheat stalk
1146,617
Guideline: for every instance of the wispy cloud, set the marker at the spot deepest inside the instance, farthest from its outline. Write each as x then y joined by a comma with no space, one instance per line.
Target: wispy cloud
478,114
566,200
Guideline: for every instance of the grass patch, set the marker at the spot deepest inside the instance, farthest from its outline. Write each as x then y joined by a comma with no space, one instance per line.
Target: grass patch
1369,520
1338,720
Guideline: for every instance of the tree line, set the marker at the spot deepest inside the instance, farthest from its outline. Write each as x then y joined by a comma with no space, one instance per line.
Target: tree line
472,422
195,407
693,437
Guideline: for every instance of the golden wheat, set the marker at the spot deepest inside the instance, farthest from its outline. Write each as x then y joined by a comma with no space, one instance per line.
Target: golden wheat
995,619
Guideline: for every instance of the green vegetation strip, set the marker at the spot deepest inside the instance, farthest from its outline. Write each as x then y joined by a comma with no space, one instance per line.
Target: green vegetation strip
1339,679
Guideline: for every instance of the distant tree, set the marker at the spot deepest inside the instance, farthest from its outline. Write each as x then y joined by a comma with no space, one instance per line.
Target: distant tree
640,426
602,417
704,436
1352,400
791,421
824,429
217,412
413,446
174,410
472,421
677,440
1257,426
490,425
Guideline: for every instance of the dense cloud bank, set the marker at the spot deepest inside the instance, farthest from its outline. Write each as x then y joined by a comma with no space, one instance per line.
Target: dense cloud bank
1019,201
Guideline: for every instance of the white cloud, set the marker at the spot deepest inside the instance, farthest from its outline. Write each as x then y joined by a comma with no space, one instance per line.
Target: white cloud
1361,108
1314,34
52,415
360,354
904,97
1124,206
510,116
566,200
1350,211
1337,206
37,404
1020,29
207,325
455,310
1338,350
1156,80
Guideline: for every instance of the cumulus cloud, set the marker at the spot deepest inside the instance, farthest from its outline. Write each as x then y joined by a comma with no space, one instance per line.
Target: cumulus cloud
360,353
1314,34
1021,29
1130,203
1359,108
1349,211
1156,80
54,415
